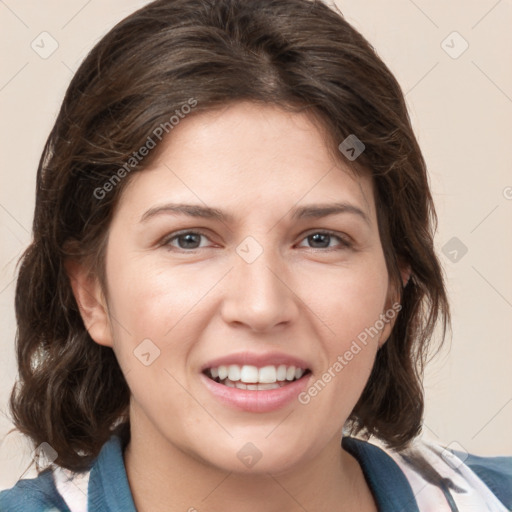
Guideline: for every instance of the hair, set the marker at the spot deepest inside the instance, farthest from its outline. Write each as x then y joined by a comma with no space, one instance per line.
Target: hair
300,55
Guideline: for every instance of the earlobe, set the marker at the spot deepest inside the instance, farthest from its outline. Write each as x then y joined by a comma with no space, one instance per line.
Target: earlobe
91,302
384,335
405,273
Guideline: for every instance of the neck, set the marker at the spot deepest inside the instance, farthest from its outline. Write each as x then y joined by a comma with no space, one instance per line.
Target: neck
162,477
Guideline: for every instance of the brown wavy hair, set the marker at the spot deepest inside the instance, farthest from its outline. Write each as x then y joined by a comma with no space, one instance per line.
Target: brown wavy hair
298,54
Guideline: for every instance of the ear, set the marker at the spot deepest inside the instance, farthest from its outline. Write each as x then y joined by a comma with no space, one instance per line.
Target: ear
405,272
91,302
393,305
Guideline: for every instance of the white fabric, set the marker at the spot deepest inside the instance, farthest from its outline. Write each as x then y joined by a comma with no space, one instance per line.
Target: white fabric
476,496
72,487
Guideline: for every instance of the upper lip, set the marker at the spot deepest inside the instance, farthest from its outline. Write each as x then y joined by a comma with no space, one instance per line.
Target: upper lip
258,360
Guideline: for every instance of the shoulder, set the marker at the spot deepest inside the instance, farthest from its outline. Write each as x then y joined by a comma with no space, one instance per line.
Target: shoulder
486,477
433,477
59,490
33,495
495,472
103,487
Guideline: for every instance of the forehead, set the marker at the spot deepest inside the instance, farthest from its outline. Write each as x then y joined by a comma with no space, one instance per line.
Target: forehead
247,155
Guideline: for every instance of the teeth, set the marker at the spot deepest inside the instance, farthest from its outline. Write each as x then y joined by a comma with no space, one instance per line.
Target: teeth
223,372
251,377
249,374
234,372
263,387
253,387
267,374
281,372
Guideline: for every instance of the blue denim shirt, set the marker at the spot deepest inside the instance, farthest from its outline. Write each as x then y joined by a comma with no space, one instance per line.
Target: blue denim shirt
109,491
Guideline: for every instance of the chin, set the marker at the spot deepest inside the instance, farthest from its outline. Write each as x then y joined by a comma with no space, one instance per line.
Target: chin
257,457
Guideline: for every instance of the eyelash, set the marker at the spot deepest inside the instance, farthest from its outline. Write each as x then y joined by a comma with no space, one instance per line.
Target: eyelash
344,242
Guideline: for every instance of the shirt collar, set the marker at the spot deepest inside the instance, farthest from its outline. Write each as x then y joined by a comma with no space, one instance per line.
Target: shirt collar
388,484
109,490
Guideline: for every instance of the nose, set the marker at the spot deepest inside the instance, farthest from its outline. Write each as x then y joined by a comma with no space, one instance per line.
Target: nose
258,296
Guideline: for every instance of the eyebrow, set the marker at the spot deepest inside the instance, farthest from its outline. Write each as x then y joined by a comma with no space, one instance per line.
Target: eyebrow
315,211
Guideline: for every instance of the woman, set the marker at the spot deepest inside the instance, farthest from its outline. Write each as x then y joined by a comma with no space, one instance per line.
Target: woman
233,270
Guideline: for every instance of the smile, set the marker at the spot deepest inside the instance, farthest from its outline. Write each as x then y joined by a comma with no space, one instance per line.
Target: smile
252,378
256,389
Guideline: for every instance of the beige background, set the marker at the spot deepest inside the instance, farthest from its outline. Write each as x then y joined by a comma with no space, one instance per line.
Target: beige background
461,109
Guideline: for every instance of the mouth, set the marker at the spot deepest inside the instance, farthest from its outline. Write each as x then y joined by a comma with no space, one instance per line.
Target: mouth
254,378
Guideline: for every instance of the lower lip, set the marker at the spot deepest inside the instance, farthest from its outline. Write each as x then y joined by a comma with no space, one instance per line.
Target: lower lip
258,400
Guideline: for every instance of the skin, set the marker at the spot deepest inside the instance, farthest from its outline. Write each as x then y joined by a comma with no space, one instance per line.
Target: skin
301,297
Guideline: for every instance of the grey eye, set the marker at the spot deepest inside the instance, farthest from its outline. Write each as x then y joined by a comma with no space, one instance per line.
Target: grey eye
189,240
319,240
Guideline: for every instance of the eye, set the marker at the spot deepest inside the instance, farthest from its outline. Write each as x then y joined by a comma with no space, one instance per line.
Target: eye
323,239
191,240
185,240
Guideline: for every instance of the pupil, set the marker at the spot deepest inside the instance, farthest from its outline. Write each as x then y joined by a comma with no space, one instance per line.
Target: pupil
320,238
190,238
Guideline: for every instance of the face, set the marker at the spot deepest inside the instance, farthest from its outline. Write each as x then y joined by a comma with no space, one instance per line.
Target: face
245,255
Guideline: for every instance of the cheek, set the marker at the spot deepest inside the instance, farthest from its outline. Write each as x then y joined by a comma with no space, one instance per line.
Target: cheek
149,308
350,304
150,298
348,301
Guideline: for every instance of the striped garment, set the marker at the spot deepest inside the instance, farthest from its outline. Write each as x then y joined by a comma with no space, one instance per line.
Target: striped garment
451,482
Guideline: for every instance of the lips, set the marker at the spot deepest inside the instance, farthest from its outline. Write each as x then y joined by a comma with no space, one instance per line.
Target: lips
256,382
